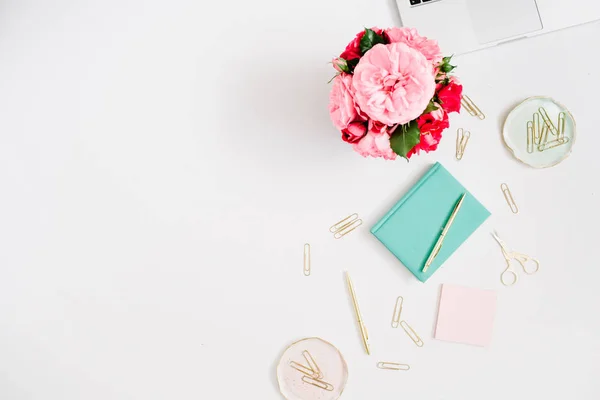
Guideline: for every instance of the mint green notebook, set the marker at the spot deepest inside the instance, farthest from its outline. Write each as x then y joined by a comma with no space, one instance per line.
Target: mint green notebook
412,227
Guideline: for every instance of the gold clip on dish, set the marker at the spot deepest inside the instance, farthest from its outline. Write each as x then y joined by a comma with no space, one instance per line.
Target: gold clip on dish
548,121
318,383
471,107
397,312
553,143
345,226
312,364
304,369
462,138
306,259
537,128
530,136
411,333
393,366
561,124
509,198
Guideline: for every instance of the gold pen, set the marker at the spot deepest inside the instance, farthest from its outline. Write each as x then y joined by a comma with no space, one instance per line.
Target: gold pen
440,241
361,324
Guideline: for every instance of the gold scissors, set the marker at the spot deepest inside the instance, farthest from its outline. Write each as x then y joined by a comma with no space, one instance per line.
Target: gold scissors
509,277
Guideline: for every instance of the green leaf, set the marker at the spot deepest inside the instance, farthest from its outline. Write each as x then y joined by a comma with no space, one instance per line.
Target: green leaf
403,140
446,60
430,108
447,68
370,39
352,64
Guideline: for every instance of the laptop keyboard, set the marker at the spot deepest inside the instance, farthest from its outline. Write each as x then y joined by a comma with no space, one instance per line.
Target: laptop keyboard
416,2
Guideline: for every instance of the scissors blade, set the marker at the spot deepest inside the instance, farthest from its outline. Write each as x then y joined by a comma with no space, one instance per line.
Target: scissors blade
502,245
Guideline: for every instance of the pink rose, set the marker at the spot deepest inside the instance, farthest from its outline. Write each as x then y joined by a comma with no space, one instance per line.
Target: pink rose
450,96
353,49
375,145
428,47
393,83
342,108
354,132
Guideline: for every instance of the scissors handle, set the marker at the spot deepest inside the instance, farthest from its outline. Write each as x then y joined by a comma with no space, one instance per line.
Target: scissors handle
525,260
509,277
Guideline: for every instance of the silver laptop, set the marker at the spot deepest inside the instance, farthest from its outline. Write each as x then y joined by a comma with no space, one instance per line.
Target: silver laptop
462,26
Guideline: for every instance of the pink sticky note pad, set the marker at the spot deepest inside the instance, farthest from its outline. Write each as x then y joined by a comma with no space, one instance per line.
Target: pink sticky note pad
466,315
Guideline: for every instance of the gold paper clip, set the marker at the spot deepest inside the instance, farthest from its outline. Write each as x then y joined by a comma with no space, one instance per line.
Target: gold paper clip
471,107
411,333
304,369
397,312
312,364
509,198
318,383
306,259
462,138
561,125
393,366
537,129
543,136
548,121
553,143
345,226
530,137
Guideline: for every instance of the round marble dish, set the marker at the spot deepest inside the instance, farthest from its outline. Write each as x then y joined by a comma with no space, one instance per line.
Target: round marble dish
328,359
514,132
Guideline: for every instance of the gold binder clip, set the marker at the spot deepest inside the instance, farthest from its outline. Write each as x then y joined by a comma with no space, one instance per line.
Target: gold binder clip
462,138
312,364
548,121
345,226
393,366
509,198
304,369
318,383
537,128
411,333
530,136
306,259
471,107
397,312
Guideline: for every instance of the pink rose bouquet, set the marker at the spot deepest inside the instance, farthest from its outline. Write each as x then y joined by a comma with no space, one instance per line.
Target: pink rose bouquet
393,93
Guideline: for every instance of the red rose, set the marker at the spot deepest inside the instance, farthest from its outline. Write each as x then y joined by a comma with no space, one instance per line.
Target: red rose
354,132
450,96
431,131
353,49
433,123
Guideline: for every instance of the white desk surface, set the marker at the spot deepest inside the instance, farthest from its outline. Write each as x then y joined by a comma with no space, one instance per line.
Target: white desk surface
162,164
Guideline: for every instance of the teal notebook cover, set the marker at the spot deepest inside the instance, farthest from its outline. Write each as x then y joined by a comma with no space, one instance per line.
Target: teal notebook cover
412,227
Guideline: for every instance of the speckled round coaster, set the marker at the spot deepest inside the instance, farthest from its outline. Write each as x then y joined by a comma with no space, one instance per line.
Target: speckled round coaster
330,362
514,132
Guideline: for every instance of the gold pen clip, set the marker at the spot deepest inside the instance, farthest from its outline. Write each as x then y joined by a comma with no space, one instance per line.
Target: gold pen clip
397,312
393,366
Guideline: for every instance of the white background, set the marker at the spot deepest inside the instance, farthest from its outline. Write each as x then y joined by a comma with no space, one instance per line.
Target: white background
162,164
